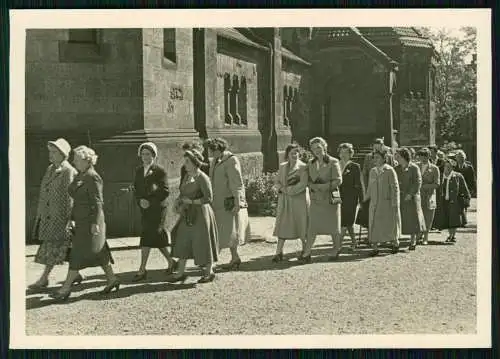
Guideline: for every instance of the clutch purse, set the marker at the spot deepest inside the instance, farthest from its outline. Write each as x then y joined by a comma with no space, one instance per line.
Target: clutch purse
229,203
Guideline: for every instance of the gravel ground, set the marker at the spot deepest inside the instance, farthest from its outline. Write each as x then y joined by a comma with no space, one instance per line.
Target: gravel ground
431,290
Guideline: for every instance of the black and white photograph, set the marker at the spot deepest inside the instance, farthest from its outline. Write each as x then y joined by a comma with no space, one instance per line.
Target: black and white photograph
304,179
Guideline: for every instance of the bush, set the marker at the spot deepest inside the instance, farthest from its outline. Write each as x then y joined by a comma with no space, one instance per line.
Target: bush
261,195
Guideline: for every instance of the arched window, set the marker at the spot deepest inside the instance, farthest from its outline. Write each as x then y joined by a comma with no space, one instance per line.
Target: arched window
242,101
228,118
235,88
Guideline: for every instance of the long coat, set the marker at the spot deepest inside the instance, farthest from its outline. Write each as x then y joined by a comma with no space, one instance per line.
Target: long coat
324,217
369,163
410,182
450,213
227,182
88,250
384,214
430,182
53,214
293,202
152,187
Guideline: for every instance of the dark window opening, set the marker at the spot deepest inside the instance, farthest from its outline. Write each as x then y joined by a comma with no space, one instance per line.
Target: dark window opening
169,46
83,36
242,99
228,118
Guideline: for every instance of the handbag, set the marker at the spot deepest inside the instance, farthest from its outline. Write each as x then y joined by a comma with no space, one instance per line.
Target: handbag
229,203
335,196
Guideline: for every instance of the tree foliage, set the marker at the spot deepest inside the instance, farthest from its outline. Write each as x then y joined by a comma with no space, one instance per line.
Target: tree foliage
455,83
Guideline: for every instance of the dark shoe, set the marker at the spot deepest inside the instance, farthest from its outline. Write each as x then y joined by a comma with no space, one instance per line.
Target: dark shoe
110,287
300,255
173,267
61,296
374,253
140,276
78,279
453,240
232,265
277,258
334,258
207,278
412,247
39,286
306,259
177,279
395,248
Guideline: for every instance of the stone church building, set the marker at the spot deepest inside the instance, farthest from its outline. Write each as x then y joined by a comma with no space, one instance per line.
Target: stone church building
259,88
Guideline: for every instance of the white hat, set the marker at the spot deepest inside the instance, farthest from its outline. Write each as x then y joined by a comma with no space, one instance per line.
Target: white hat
148,145
62,145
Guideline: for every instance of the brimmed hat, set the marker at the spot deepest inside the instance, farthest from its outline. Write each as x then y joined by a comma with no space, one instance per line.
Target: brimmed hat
150,146
62,145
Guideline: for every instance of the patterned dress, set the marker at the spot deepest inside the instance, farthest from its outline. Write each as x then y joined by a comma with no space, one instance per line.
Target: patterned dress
53,215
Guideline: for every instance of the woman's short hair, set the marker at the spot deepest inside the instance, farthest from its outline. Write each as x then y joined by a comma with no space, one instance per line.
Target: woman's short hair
87,154
424,152
378,141
292,146
217,144
319,140
195,157
346,146
382,153
461,152
404,153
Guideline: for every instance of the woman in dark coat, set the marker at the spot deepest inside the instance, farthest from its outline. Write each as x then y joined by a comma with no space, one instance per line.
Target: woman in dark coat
351,191
410,182
151,191
453,199
89,247
195,234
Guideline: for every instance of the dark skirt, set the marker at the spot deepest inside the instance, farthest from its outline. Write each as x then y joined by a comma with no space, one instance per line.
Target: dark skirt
348,209
154,234
363,216
88,250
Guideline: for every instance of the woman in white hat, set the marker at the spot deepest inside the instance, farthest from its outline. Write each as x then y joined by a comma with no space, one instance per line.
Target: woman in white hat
54,211
151,191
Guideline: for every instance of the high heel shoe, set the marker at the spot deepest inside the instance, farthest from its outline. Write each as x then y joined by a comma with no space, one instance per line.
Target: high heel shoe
412,247
140,276
374,252
334,257
232,265
395,248
60,296
278,258
39,285
173,267
109,288
78,279
175,279
207,278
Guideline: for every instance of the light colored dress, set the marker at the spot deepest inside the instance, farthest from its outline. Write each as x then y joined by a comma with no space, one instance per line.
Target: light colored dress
430,183
227,182
324,217
195,234
293,206
53,214
384,215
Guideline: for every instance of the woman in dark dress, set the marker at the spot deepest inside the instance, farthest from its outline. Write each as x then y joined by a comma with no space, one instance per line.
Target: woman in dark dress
151,191
453,199
195,234
89,247
351,191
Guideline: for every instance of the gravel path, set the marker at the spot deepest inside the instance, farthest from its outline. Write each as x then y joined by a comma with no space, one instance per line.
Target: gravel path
431,290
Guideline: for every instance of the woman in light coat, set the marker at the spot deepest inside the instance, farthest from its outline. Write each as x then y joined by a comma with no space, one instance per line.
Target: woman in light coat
384,214
54,211
324,213
89,246
430,182
410,182
229,204
293,200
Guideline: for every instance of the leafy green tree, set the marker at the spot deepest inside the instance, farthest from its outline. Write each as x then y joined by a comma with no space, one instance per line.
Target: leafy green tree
455,83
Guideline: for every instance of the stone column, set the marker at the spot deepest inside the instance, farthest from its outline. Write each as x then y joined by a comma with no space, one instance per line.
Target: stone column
390,80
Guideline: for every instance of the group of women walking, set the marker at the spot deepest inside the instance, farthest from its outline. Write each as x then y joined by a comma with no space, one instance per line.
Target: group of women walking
391,195
70,218
401,194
